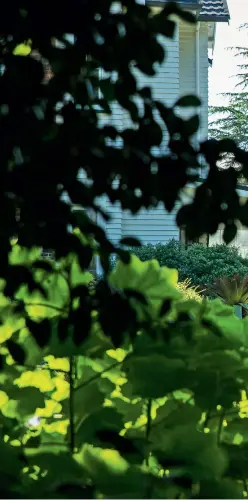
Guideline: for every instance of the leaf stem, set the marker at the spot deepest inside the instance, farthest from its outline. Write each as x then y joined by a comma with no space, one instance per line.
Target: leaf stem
149,418
98,375
220,426
148,427
49,306
71,405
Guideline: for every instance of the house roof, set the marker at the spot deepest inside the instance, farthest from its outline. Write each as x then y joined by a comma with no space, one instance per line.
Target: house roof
209,10
214,10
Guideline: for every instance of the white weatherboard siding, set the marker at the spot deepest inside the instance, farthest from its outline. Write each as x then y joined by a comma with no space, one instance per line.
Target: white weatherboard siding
240,241
177,76
151,226
154,225
188,73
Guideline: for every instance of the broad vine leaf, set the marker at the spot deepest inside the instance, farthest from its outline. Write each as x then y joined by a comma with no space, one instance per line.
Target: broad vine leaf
112,473
41,379
104,418
155,376
154,282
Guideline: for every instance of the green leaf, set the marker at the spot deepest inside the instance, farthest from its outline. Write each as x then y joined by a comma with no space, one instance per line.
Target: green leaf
103,418
23,403
98,461
52,461
41,379
225,488
77,276
11,465
155,376
88,398
230,327
33,353
112,474
205,460
20,256
154,282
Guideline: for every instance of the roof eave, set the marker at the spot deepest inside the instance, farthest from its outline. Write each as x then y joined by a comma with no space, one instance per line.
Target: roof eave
194,5
214,18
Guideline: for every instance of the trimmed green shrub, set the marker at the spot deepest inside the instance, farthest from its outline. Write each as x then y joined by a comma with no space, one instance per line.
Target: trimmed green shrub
203,265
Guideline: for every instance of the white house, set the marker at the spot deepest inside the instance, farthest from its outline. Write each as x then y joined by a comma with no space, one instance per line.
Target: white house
185,71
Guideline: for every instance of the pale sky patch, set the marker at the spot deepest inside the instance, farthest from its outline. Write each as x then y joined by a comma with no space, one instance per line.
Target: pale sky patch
225,64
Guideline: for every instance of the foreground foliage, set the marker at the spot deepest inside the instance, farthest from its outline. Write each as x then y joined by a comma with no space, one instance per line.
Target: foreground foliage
143,407
139,394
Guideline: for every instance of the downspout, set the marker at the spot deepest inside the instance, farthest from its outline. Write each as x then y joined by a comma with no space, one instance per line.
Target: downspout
197,65
197,86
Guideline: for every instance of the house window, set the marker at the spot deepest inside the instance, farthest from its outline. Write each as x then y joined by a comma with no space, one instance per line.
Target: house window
48,254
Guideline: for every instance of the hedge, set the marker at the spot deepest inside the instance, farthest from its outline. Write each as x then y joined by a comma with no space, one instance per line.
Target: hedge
201,264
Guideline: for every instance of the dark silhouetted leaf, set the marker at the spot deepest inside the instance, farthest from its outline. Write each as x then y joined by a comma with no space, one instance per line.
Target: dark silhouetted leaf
16,351
188,101
165,307
229,233
41,331
130,242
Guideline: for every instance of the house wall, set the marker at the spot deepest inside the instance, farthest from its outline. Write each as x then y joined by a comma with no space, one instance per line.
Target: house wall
240,241
175,77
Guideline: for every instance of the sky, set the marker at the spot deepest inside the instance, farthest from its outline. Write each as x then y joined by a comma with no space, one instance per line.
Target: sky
224,63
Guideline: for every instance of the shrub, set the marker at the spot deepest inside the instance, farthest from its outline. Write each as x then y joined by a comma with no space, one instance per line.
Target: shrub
200,264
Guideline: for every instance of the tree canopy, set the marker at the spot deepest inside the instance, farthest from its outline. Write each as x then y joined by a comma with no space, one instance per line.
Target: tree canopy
230,120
